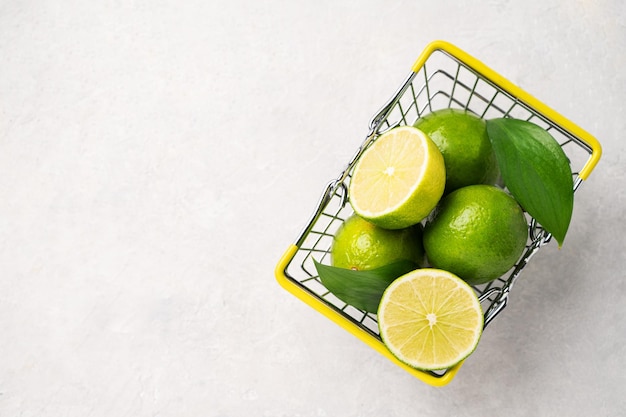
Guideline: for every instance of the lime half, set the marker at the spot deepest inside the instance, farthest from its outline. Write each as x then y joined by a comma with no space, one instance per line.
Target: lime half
398,180
430,319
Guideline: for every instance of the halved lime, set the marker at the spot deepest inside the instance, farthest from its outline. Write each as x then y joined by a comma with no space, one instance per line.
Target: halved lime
398,180
430,319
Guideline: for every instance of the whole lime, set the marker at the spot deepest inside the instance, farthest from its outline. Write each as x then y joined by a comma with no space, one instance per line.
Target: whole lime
462,139
477,232
361,245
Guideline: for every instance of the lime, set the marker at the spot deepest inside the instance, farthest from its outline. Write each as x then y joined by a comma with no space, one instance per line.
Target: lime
477,232
398,180
462,139
361,245
430,319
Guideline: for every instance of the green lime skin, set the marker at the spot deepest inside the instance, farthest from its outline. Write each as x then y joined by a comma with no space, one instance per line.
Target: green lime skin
462,139
361,245
477,232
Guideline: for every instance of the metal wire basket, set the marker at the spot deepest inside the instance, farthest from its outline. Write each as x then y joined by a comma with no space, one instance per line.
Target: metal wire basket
442,77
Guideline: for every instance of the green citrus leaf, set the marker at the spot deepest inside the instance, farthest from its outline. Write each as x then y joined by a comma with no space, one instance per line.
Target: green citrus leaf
536,171
362,289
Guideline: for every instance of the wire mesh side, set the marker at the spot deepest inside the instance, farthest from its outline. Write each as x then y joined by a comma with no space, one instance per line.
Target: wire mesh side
316,245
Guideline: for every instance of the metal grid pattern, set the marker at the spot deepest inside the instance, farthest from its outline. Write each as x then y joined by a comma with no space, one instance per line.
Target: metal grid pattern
442,82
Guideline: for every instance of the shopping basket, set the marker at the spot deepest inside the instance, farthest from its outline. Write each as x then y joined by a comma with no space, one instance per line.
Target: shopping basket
442,77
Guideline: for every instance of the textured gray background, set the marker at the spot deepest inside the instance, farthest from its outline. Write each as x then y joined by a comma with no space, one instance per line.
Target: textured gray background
157,158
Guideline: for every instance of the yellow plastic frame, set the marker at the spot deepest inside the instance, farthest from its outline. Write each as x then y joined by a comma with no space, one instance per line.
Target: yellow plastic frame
484,71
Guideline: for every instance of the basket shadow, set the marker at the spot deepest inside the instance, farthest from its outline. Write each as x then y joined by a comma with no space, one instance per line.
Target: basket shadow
527,339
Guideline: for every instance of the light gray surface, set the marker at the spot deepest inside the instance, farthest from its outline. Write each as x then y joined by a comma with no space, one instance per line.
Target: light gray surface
158,157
